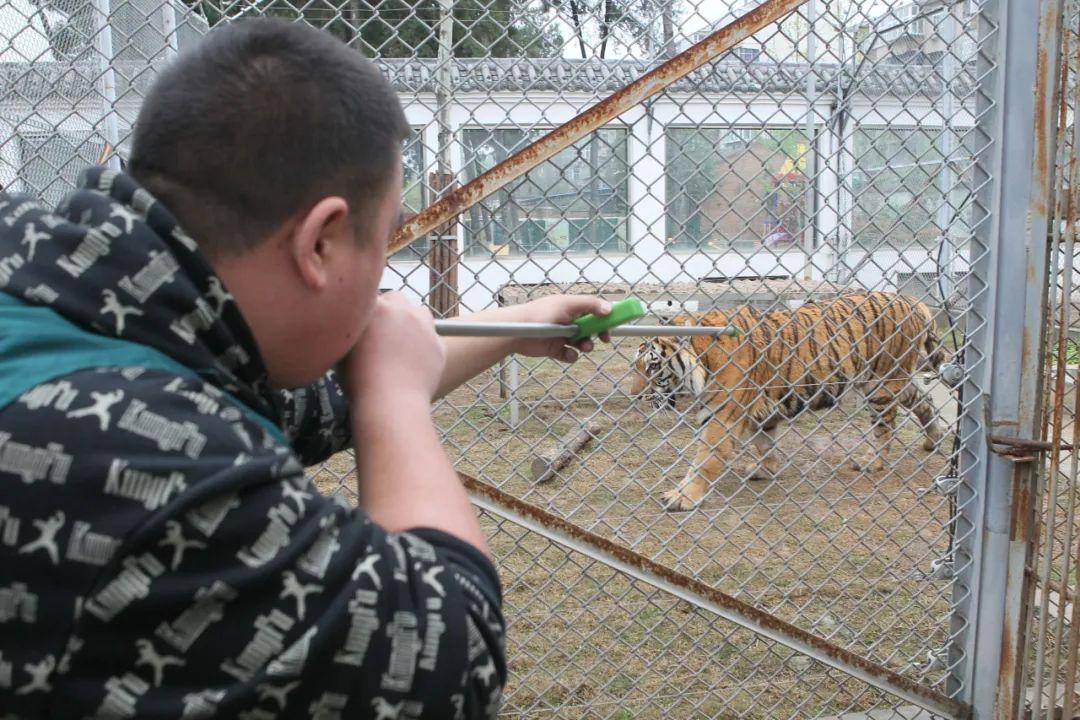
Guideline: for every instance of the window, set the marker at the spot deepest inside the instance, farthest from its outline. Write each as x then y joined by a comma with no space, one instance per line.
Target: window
895,190
412,201
736,188
50,161
746,54
573,203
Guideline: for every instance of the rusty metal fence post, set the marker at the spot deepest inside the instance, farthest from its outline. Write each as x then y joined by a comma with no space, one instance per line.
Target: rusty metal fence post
442,256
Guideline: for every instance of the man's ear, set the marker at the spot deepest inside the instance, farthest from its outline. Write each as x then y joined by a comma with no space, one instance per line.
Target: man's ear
315,238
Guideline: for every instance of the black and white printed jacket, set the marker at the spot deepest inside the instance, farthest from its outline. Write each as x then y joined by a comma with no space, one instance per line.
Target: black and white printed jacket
162,554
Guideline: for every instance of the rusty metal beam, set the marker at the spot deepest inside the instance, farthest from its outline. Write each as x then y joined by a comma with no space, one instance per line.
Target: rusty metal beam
706,597
562,137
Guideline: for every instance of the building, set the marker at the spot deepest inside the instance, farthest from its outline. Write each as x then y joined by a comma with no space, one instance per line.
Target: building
788,41
918,31
715,177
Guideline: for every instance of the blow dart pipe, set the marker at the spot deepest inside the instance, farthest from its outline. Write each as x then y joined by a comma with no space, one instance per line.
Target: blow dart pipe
615,322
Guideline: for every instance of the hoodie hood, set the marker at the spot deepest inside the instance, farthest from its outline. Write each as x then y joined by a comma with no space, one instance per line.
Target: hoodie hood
114,261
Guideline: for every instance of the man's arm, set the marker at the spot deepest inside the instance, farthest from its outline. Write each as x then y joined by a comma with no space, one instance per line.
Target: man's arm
317,418
406,479
268,596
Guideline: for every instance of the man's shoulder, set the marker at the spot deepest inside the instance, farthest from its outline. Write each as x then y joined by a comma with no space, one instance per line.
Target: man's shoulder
132,411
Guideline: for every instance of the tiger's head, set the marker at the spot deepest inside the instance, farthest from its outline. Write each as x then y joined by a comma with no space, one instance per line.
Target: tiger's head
663,369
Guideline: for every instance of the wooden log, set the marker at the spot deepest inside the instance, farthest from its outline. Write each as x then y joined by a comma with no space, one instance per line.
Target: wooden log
545,466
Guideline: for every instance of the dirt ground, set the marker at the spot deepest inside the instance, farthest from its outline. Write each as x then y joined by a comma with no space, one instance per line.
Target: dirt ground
836,551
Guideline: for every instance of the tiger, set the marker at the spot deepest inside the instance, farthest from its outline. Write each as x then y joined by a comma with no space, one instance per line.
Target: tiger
787,361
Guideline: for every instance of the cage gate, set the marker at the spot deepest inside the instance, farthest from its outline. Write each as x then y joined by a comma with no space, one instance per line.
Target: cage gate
881,513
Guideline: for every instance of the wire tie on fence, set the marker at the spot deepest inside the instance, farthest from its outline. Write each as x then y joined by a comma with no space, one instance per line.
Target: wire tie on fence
935,660
941,569
951,374
942,485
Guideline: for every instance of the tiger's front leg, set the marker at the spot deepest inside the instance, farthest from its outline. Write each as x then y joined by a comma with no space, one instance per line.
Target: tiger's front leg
717,440
764,441
883,410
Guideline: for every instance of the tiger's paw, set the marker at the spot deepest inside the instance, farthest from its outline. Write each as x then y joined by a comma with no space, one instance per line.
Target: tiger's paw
872,465
761,472
932,440
675,501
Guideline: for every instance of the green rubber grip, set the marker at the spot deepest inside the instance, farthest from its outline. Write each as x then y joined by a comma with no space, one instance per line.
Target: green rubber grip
622,312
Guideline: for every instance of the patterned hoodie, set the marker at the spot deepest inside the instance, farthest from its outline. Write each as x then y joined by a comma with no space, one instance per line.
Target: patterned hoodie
162,554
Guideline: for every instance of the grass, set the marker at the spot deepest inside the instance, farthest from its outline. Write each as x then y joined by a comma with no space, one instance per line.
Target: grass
836,551
1072,352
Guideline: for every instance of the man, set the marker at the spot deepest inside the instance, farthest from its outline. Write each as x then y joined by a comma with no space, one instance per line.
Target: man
161,553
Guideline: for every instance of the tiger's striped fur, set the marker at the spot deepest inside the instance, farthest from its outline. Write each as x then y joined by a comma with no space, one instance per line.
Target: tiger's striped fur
788,361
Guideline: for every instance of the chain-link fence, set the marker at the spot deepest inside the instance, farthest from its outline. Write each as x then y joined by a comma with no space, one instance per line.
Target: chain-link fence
797,522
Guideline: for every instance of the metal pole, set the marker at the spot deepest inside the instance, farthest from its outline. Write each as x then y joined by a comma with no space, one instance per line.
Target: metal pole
103,42
168,29
515,401
649,84
464,328
443,76
442,254
811,144
1015,267
944,215
841,167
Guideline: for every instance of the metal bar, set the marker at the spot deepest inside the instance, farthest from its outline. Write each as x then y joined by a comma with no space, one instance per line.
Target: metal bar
1023,444
1061,589
603,112
464,328
1016,236
945,179
103,44
809,237
1027,499
1048,488
168,29
708,598
984,146
515,400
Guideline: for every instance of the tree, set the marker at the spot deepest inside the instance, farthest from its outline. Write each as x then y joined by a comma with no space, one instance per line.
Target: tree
409,28
636,27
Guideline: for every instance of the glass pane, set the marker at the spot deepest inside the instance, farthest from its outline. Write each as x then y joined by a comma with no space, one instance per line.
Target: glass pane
574,203
412,201
738,188
894,186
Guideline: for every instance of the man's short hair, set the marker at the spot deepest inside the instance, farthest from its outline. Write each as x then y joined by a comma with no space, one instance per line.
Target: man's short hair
260,120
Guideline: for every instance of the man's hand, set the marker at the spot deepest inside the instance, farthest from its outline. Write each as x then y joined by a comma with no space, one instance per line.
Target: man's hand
406,480
399,353
559,309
